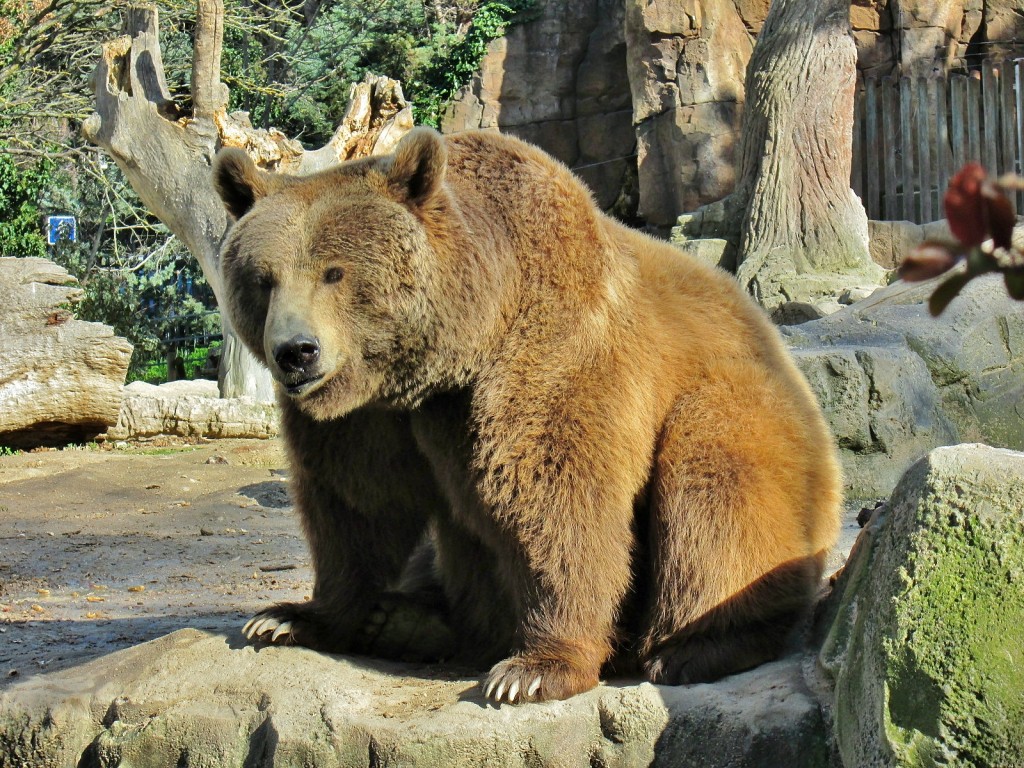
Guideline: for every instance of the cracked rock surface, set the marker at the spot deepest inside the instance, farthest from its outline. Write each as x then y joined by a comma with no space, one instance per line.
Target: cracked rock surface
208,699
896,382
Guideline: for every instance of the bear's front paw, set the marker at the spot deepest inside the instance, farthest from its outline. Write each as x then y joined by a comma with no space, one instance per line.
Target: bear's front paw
269,627
291,624
528,678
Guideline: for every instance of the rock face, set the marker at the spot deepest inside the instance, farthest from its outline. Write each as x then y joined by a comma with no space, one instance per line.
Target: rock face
190,409
925,652
686,61
919,36
560,82
896,382
891,241
209,700
60,378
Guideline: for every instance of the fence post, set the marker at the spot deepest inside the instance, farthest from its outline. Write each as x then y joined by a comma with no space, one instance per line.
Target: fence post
874,154
889,107
973,106
944,156
990,116
907,142
958,114
925,142
1018,81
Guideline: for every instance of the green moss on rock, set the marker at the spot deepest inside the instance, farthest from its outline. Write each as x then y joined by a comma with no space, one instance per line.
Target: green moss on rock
927,650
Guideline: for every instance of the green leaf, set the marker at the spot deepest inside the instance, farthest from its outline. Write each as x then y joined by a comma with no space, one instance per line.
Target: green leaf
947,291
1014,279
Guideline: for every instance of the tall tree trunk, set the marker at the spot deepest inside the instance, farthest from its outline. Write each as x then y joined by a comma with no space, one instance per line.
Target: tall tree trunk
802,231
165,154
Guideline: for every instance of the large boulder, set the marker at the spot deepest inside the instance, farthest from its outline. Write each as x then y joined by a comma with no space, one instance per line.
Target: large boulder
925,651
60,378
896,382
211,700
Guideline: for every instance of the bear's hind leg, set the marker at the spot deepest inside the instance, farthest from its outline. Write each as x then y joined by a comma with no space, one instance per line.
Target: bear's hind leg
734,534
724,642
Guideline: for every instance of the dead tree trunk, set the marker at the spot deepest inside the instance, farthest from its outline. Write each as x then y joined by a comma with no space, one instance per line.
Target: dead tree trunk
802,232
793,229
165,153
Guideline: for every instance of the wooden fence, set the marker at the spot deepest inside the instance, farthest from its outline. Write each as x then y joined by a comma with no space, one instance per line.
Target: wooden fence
911,136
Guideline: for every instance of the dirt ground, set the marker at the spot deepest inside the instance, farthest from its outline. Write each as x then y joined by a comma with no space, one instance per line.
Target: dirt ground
102,548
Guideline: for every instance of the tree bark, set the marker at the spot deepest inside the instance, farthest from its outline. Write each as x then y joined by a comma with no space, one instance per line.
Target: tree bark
166,154
802,231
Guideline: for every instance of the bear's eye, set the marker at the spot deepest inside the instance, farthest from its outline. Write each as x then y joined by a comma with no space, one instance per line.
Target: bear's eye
264,281
334,275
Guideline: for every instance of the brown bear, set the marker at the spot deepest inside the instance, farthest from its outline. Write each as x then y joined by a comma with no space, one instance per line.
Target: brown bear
606,441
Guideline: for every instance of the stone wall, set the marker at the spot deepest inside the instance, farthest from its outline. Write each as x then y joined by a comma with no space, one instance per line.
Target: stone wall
686,62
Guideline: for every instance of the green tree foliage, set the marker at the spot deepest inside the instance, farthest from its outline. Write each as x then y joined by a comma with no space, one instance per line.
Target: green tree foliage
20,215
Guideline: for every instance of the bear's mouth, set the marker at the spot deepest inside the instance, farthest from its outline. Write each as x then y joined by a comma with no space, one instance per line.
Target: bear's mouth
303,387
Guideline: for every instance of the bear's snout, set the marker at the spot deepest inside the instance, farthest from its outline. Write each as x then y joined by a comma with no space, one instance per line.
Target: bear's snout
299,361
300,354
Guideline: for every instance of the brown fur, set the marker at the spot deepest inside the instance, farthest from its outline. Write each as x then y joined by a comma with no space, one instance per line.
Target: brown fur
610,443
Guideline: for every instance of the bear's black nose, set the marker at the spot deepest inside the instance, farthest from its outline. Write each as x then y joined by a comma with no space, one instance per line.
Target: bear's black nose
298,354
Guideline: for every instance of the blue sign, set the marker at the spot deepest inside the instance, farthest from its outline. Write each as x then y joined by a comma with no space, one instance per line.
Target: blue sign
61,228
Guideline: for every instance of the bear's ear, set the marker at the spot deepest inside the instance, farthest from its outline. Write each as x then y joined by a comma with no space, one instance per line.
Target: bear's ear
238,181
417,171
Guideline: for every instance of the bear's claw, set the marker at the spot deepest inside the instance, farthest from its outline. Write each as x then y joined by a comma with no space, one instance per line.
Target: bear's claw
500,687
261,624
534,686
525,678
283,629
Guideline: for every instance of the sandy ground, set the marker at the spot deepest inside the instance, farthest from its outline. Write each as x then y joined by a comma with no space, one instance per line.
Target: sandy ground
103,548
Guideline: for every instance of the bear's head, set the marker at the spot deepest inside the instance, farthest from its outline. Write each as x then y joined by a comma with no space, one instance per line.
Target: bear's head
330,279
